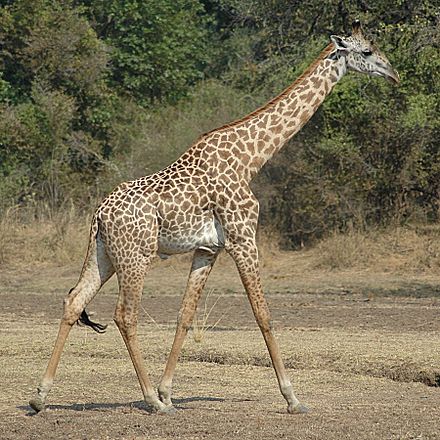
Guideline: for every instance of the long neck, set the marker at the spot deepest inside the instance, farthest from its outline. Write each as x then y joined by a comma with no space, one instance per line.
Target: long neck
249,143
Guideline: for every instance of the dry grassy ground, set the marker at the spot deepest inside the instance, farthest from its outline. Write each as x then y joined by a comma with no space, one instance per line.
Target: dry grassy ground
362,347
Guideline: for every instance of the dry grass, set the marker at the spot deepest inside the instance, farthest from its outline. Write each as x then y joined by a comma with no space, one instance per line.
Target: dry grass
362,366
41,237
394,249
377,354
98,396
202,322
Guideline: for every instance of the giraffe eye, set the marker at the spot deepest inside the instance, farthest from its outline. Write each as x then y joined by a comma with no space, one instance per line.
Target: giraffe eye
367,53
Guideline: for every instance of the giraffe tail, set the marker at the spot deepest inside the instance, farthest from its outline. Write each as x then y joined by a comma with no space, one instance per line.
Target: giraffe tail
96,270
84,319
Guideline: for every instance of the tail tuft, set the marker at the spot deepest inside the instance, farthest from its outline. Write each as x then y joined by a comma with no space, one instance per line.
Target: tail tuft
84,319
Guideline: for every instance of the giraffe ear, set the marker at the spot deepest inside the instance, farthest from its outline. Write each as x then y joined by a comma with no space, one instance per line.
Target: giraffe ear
339,43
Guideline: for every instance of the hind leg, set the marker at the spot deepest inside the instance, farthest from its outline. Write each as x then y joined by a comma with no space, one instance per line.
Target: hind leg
96,271
201,267
131,280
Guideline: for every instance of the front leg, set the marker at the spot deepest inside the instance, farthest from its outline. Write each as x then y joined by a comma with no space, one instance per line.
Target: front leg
245,256
240,227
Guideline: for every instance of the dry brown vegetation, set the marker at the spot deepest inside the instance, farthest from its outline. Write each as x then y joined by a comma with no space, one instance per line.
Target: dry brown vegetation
43,237
368,368
411,249
356,317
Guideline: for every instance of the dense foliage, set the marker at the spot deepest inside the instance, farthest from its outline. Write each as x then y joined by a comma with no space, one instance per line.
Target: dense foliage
158,47
93,92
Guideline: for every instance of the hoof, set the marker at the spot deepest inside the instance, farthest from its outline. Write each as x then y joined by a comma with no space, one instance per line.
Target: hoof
298,409
37,404
165,395
167,410
165,400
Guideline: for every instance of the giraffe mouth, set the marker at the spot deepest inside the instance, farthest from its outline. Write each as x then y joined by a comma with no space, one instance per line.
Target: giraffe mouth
392,77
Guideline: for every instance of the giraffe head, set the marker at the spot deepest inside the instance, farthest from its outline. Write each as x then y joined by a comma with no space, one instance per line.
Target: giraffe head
363,56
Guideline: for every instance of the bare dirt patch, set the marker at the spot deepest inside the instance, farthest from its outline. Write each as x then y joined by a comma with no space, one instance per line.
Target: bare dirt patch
363,351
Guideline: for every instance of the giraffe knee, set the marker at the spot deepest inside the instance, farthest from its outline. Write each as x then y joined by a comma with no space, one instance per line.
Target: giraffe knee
71,307
183,322
126,322
185,316
263,320
262,316
265,325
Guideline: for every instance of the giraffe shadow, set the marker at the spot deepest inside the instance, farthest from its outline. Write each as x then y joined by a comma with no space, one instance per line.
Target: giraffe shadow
179,404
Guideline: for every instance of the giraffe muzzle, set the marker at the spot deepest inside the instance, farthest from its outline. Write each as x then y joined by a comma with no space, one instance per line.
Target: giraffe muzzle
393,77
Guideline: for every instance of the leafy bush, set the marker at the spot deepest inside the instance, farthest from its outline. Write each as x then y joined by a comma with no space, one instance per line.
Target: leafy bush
159,47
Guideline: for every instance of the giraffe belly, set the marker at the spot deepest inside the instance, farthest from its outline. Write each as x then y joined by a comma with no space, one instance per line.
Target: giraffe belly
179,239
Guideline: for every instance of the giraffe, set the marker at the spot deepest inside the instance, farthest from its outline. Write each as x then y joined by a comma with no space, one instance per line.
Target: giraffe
202,203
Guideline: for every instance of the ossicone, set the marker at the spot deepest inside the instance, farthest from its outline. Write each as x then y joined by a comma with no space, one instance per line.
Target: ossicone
356,26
